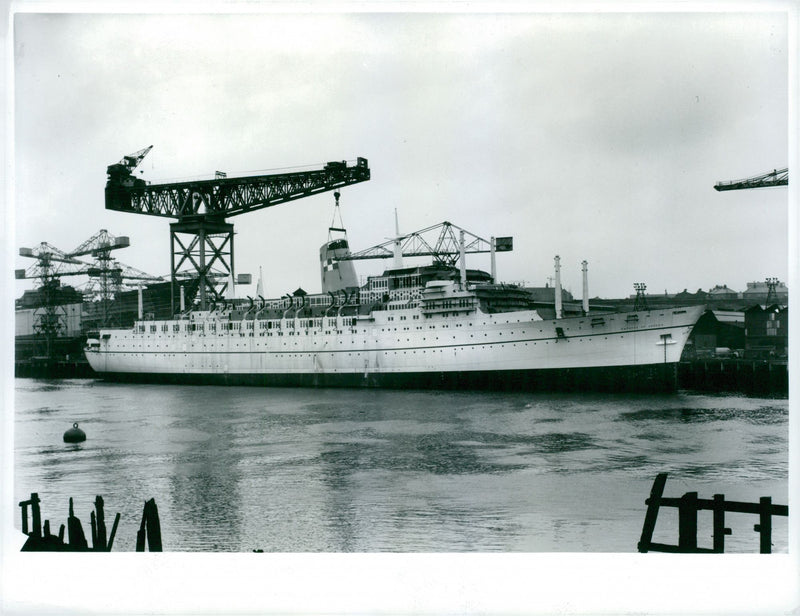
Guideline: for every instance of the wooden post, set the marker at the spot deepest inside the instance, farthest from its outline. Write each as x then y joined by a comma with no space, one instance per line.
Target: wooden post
36,514
141,534
653,504
101,524
719,524
153,526
113,533
77,540
93,521
24,505
150,528
764,526
687,522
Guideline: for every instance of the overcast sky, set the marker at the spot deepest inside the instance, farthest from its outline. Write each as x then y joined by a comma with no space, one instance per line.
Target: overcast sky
594,136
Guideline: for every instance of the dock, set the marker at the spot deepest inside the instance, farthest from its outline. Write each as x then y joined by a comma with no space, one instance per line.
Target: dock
761,377
758,377
46,368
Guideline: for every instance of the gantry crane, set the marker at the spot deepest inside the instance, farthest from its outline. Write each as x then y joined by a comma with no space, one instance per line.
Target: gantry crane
106,274
201,241
777,177
51,265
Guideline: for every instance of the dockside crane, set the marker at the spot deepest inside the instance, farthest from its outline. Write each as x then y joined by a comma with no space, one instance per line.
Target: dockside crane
51,265
777,177
445,242
107,276
201,239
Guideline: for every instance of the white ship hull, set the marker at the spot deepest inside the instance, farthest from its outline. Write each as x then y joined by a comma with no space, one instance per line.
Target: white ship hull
406,348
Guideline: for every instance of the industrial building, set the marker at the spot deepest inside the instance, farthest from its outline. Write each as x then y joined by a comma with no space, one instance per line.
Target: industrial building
767,330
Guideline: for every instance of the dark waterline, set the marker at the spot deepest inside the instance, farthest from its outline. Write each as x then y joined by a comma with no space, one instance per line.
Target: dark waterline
332,470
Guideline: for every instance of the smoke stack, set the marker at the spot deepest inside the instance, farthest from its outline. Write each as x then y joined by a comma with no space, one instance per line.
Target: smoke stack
585,269
494,264
230,291
559,312
398,248
141,303
336,274
183,300
463,260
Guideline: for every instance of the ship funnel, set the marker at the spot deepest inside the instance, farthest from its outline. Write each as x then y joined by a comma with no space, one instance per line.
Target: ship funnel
336,274
585,269
398,247
462,257
559,311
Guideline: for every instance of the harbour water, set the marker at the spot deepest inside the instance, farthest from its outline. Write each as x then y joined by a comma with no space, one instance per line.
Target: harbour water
237,469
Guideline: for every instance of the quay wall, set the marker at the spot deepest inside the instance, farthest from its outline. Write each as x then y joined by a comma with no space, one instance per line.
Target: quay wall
751,377
748,376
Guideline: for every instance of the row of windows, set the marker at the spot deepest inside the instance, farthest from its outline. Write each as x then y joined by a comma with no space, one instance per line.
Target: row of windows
385,353
471,346
314,326
200,328
213,326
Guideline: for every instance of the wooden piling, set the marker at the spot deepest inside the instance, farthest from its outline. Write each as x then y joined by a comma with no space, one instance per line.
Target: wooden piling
653,503
141,534
101,525
149,529
113,533
33,504
77,540
764,526
719,524
93,522
153,527
36,514
687,522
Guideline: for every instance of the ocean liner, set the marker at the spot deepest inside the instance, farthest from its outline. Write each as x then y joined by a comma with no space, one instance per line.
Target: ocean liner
437,326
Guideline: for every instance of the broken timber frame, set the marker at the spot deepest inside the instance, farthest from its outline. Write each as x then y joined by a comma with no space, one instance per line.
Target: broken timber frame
41,540
688,505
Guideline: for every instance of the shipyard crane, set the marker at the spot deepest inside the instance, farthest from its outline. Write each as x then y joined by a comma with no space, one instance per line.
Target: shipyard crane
106,274
201,240
51,265
445,242
123,170
777,177
108,280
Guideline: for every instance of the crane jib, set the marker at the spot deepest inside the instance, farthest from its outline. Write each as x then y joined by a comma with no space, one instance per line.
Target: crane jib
226,196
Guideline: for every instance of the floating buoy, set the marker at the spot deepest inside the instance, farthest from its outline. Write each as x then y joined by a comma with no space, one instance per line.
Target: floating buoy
74,434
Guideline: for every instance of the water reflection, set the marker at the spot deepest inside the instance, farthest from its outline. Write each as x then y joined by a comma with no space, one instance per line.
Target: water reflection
760,415
205,480
348,470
